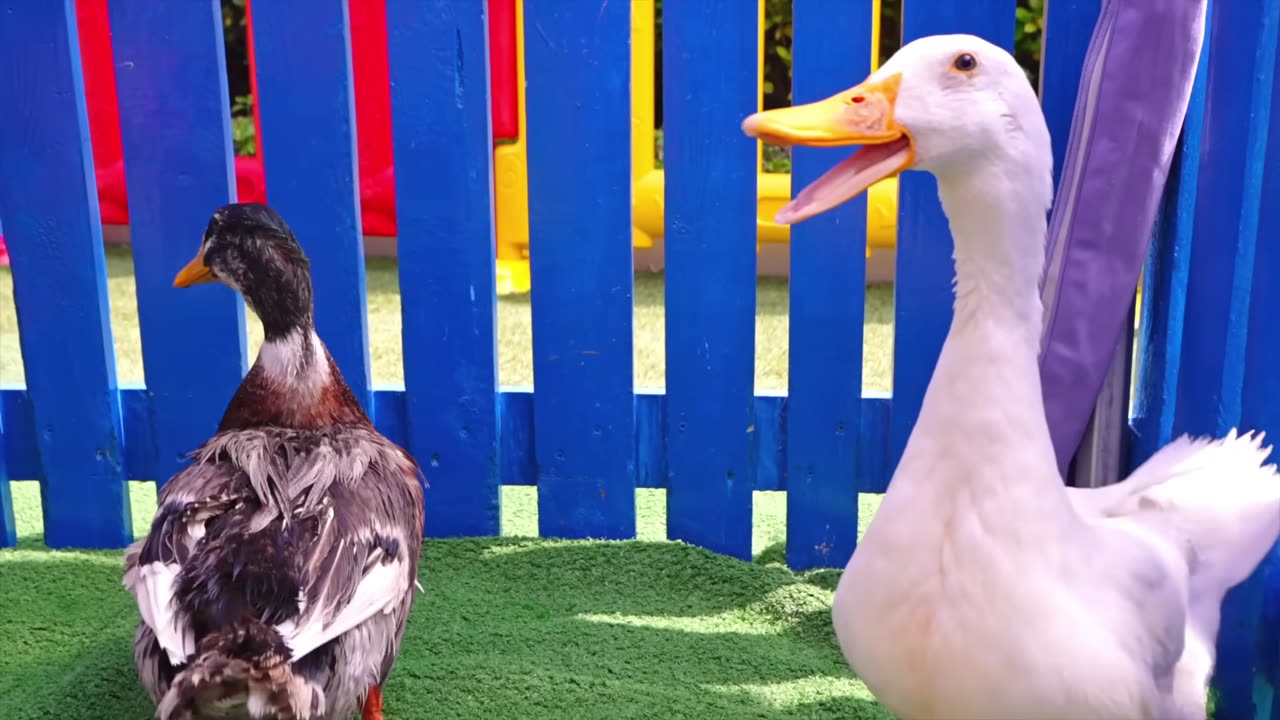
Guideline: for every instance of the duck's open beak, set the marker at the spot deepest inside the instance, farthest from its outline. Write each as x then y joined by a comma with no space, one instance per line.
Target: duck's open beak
194,273
862,115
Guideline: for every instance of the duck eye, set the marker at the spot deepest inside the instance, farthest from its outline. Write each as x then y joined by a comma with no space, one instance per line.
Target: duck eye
965,62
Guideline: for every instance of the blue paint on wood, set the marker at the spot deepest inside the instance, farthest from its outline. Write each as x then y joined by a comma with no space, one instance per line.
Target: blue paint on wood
21,454
828,298
142,456
771,442
577,60
1238,94
176,129
515,407
8,528
922,290
444,194
709,53
1242,55
651,440
1260,410
49,202
306,106
388,414
1164,287
1268,644
873,444
515,435
1068,28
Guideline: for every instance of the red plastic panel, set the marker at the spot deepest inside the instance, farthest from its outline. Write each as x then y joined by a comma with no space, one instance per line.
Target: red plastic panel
371,74
104,113
502,69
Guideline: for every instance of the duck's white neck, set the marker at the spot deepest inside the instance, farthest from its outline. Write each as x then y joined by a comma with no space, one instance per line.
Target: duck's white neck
295,361
999,229
983,413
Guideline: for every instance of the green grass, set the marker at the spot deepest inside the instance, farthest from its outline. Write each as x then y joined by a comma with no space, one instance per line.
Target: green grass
509,628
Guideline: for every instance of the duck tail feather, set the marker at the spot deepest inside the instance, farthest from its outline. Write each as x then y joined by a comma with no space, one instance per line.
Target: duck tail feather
245,666
1222,499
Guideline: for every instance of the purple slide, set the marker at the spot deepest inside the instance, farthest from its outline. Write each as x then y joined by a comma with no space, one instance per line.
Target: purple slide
1134,90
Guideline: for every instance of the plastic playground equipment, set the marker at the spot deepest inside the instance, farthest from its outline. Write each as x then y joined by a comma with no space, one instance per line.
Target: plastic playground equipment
373,111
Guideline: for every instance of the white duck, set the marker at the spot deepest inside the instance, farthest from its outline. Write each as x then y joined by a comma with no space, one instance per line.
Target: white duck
985,588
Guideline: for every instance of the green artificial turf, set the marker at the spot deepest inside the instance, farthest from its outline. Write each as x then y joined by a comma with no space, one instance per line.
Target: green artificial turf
509,628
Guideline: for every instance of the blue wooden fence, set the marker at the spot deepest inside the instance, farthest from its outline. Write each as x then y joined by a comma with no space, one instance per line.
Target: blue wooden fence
1207,346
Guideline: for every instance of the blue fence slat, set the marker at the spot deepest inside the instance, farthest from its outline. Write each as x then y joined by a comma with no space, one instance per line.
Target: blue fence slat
444,179
1068,28
709,53
922,295
306,106
828,298
1239,95
1261,405
49,202
1164,287
515,438
577,63
1249,641
21,452
771,442
651,440
176,130
388,414
873,444
137,413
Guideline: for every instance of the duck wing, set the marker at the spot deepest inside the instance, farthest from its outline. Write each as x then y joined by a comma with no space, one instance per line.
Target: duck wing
187,502
364,558
1216,498
1214,504
307,532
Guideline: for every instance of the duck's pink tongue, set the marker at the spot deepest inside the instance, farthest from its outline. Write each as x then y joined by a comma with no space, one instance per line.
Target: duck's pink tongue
868,165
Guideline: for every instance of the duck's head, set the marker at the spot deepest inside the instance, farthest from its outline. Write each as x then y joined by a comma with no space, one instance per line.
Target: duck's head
944,104
250,248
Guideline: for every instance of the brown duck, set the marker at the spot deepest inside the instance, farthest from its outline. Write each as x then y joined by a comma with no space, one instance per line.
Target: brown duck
281,563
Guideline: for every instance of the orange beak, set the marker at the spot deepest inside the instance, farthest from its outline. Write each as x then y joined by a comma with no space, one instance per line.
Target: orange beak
194,273
862,115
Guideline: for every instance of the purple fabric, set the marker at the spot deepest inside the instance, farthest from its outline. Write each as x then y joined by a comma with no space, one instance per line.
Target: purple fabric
1134,89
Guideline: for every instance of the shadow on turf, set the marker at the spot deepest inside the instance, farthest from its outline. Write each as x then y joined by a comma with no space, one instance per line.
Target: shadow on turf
508,629
559,629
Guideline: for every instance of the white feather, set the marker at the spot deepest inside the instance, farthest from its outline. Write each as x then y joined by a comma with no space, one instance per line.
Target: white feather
378,592
152,587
